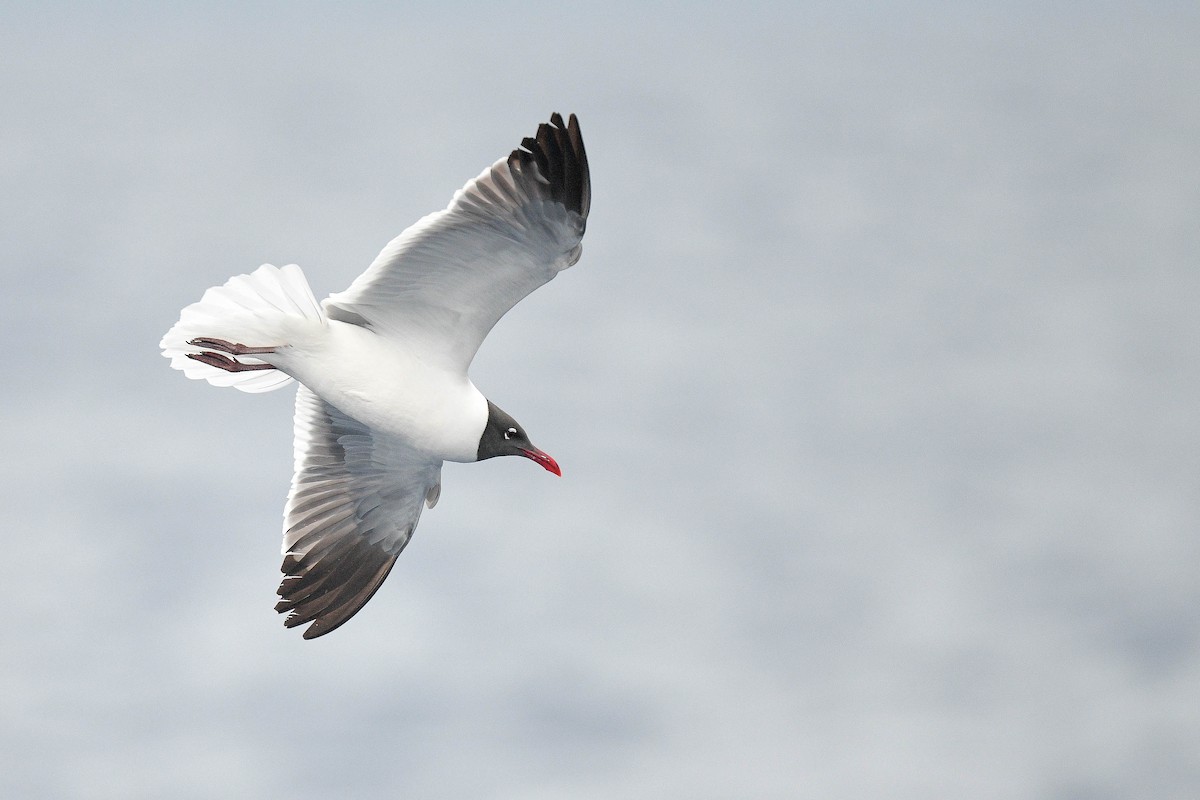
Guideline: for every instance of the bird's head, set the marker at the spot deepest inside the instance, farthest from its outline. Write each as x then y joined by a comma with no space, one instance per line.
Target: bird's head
504,436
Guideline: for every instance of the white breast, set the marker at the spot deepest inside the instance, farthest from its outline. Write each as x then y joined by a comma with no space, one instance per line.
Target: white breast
383,385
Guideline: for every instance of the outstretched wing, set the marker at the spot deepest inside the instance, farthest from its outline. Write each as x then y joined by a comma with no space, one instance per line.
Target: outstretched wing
355,499
443,283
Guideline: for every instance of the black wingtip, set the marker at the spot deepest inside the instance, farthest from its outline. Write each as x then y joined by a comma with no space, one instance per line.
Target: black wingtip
561,160
328,586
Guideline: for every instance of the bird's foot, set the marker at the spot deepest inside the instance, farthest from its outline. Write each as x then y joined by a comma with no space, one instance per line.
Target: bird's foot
225,362
229,347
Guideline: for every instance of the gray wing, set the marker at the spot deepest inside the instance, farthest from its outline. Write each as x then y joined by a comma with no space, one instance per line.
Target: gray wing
444,283
355,499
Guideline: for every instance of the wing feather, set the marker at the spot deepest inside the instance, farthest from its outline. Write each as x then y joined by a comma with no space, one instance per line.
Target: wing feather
355,500
444,283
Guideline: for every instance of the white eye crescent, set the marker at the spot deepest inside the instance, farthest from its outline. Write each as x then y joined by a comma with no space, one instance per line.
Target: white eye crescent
510,433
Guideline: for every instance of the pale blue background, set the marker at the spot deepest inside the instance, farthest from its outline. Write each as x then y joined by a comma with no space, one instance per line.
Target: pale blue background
877,395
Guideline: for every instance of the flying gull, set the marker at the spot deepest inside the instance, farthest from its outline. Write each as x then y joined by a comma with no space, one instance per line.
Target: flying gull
384,397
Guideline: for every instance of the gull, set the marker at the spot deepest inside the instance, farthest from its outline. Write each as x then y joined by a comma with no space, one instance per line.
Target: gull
384,397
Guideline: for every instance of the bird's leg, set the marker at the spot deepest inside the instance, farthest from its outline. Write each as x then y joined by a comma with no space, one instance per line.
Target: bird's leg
229,347
225,362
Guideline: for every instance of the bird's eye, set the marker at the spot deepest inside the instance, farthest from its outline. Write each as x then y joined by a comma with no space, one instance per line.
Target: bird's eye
510,433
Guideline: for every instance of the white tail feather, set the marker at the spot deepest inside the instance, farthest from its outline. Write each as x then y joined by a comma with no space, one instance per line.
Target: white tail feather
256,310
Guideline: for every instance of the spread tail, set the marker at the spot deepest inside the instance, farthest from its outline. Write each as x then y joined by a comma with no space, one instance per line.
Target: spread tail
259,312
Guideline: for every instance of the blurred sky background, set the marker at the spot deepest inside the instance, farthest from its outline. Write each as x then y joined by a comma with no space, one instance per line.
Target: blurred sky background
876,393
